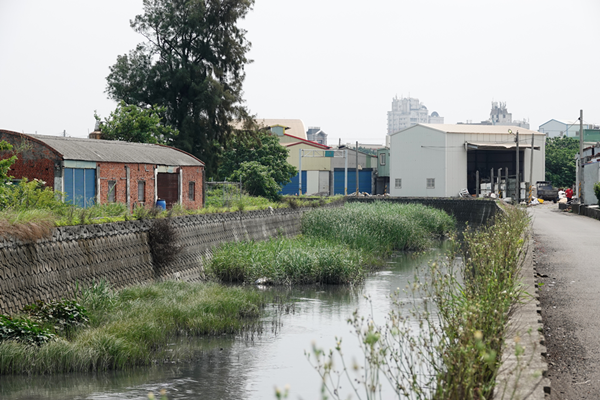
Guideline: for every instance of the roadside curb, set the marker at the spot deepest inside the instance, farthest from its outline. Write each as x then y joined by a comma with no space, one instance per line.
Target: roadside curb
524,377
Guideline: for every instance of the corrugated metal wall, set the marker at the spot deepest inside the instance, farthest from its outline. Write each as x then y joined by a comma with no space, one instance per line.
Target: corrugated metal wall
80,186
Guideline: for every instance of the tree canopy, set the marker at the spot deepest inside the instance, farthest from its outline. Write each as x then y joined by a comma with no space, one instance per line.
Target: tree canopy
192,63
131,123
260,161
560,160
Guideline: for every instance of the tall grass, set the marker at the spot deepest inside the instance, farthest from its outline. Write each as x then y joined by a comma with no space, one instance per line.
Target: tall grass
338,246
379,227
455,354
134,326
289,261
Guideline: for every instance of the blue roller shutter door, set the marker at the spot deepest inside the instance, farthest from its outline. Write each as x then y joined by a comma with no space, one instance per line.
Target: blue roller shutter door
364,181
80,186
292,187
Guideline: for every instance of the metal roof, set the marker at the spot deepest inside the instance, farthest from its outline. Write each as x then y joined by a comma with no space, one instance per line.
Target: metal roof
499,146
116,151
477,129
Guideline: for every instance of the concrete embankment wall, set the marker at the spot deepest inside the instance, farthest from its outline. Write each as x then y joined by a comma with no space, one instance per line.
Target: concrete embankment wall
120,253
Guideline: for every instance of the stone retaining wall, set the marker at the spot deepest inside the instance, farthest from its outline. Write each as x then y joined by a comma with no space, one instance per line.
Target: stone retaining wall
119,252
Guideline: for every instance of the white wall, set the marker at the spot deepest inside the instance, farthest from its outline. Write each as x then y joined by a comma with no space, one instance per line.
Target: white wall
418,153
312,182
591,175
456,165
554,128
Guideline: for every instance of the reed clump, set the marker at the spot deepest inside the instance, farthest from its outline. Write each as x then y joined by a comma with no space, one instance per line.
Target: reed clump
285,261
133,327
379,227
338,245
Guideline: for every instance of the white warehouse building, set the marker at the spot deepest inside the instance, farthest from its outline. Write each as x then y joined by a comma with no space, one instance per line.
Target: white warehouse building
439,160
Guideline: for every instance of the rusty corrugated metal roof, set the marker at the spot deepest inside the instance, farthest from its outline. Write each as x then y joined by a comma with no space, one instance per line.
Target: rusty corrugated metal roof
98,150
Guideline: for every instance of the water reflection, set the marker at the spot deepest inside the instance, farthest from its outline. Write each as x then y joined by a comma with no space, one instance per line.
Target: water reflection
245,367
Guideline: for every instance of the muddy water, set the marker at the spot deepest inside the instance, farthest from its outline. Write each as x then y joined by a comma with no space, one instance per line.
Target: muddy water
246,367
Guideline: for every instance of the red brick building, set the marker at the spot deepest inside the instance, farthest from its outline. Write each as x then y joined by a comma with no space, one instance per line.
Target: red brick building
93,171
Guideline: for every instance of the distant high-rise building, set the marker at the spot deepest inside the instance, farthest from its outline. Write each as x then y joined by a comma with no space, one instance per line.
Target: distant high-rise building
315,134
499,115
406,112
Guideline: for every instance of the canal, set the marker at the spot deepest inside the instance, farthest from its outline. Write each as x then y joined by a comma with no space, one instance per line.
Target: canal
247,366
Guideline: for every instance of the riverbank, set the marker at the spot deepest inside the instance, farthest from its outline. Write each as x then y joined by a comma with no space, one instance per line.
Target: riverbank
337,245
131,327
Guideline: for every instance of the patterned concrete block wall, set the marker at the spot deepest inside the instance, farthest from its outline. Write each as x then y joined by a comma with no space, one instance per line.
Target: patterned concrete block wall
119,252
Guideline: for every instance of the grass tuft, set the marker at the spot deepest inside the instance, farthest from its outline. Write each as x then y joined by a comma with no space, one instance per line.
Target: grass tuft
135,326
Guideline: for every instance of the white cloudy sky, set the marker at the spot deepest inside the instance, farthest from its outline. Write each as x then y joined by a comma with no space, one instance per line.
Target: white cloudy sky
336,64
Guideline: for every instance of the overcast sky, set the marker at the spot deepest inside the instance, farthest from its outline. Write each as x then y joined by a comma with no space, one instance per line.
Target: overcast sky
332,63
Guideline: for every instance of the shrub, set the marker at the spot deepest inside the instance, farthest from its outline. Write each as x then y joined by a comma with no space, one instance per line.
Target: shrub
162,238
64,315
597,191
23,330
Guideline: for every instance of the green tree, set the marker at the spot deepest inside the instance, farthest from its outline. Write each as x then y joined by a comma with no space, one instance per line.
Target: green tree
131,123
257,146
257,180
6,149
560,160
192,63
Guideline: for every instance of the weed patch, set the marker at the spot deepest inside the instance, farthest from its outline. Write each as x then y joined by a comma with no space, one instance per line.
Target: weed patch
133,327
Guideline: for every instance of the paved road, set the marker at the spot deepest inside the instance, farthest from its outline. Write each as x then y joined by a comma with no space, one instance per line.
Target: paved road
568,252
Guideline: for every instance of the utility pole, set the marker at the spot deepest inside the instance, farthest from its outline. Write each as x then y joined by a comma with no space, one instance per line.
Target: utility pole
356,151
300,172
531,169
580,169
518,169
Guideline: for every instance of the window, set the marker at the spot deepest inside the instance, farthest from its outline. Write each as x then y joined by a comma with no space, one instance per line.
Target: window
430,183
192,191
398,183
112,191
381,158
141,191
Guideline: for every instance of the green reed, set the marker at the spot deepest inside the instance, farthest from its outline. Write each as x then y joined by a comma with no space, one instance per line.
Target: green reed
338,245
289,261
134,327
379,227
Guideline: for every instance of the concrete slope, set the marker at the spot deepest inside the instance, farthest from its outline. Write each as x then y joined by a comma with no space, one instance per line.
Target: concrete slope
567,249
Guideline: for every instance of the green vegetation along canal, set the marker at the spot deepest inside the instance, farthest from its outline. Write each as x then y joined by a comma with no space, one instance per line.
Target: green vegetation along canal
246,366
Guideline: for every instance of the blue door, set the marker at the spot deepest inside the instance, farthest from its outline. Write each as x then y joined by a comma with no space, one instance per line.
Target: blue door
80,186
292,187
364,181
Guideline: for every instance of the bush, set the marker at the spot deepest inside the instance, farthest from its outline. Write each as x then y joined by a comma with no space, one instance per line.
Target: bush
64,315
162,239
257,180
23,330
597,191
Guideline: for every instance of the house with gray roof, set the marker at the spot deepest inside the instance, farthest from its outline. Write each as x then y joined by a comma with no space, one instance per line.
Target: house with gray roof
95,171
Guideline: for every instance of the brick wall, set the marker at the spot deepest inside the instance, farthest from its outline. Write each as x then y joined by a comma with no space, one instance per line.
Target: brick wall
192,174
35,161
145,173
119,252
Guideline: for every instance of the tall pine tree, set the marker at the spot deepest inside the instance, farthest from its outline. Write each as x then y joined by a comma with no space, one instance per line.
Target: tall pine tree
192,63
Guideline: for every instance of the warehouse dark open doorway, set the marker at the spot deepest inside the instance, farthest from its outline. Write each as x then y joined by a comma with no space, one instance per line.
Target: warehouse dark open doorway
484,160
